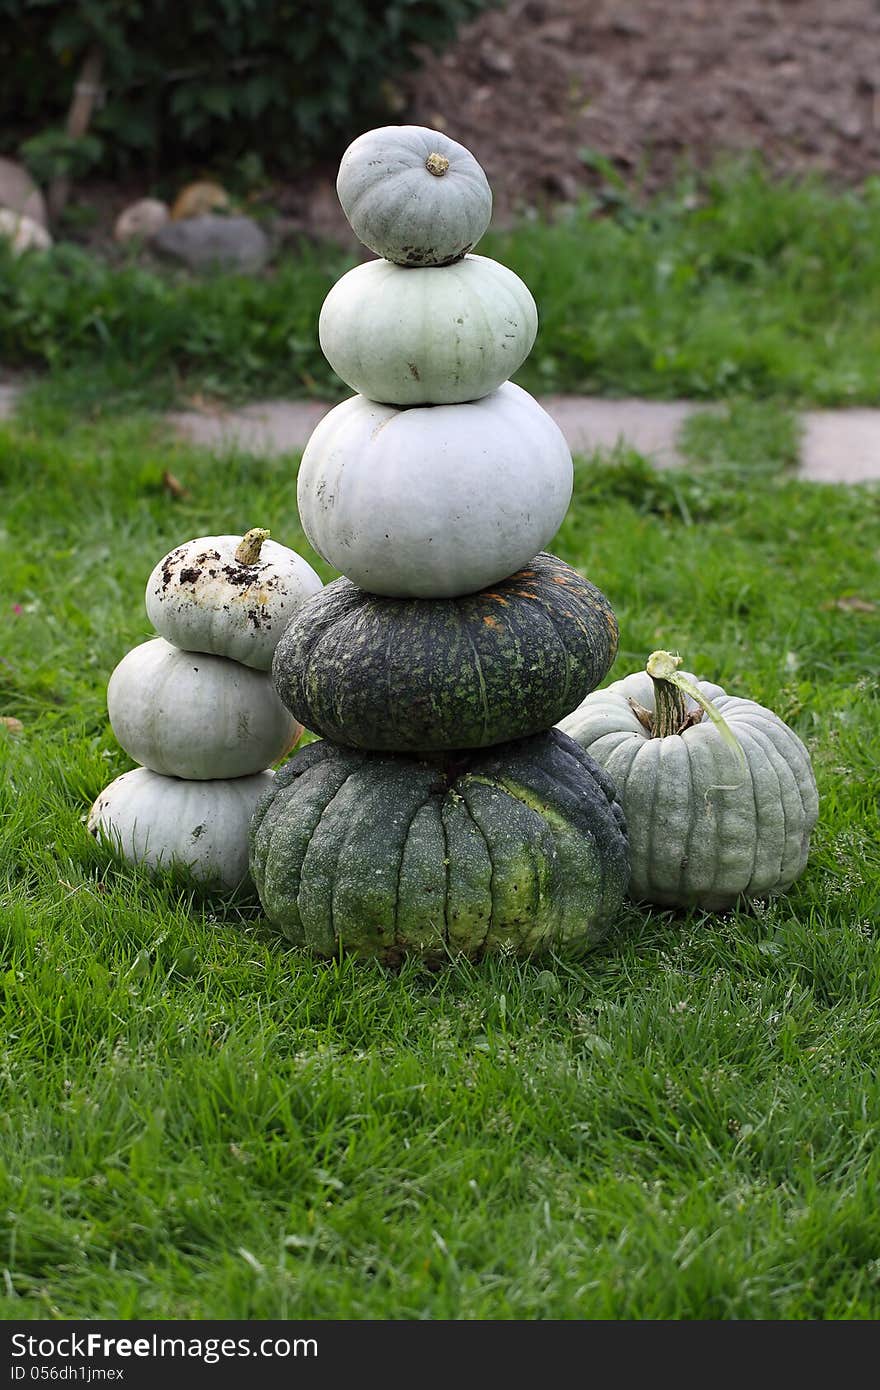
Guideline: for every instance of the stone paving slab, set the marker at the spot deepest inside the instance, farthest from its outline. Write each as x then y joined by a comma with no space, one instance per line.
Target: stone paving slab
271,427
8,396
840,446
650,427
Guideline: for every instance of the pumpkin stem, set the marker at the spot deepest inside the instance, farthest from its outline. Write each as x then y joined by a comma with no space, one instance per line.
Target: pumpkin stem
670,710
671,715
248,550
437,164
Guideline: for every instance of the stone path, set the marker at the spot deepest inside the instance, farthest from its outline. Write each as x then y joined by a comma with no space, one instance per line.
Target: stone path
837,446
277,426
8,396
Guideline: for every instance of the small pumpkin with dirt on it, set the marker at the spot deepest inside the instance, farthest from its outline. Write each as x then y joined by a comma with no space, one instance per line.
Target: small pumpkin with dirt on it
231,596
719,793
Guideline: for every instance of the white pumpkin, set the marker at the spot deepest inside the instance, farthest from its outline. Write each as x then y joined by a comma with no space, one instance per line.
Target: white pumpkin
436,501
428,336
719,794
229,595
187,714
413,195
160,821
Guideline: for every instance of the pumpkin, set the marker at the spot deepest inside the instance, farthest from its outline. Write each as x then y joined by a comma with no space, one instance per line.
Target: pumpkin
186,714
414,337
521,848
413,195
229,595
719,793
410,674
161,821
434,502
23,233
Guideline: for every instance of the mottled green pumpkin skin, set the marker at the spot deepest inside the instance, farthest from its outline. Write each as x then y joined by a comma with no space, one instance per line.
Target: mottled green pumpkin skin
519,848
433,675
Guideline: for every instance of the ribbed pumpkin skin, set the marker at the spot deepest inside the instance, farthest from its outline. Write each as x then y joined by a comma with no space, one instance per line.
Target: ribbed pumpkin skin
421,675
703,829
191,715
161,821
434,502
428,337
521,848
403,212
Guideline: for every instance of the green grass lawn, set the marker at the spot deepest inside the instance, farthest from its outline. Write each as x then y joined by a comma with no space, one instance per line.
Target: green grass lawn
197,1122
733,283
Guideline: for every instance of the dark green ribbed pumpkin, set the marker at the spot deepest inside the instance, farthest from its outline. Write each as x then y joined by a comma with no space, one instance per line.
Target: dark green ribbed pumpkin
519,847
416,675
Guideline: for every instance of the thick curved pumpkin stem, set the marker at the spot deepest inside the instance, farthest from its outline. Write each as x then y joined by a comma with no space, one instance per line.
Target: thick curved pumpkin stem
671,715
248,549
437,164
670,710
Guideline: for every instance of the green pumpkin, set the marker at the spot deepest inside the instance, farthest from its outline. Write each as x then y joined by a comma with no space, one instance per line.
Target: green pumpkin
520,848
415,675
719,793
413,195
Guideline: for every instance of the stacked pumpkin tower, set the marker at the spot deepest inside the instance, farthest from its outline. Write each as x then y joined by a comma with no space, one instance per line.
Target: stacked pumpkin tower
196,709
440,813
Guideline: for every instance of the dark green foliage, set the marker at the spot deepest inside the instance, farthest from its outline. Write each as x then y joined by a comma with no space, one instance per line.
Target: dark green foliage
416,674
521,849
291,80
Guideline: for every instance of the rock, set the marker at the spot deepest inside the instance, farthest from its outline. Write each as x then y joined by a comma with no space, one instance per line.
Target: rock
141,220
197,199
224,243
496,60
23,233
19,192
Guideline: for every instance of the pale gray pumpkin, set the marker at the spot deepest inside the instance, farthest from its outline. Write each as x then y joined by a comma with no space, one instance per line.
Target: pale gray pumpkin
413,195
428,336
710,818
229,595
187,714
160,821
438,501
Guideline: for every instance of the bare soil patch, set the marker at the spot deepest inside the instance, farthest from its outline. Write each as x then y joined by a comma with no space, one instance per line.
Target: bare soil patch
650,85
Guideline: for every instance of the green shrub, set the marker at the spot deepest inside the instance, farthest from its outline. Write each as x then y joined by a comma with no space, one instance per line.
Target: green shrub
288,78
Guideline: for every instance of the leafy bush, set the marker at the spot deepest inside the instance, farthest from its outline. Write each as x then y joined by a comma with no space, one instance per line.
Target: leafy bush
293,80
